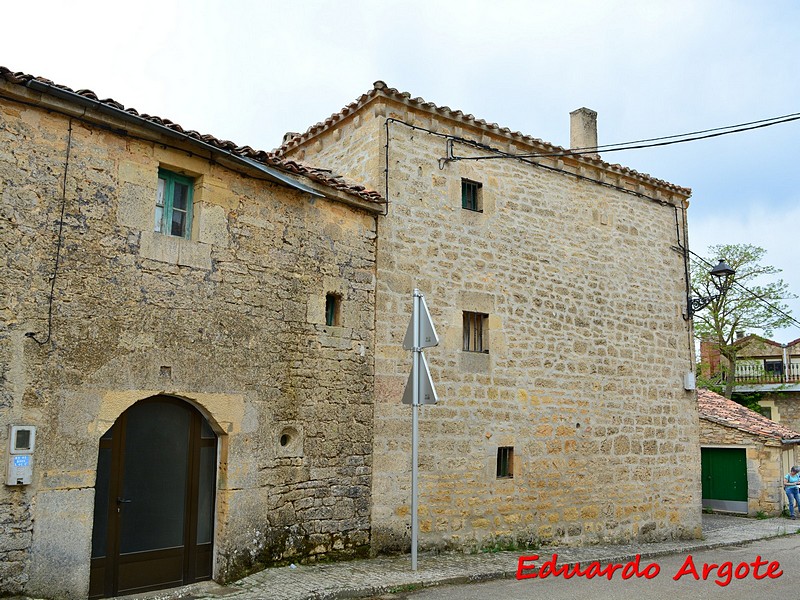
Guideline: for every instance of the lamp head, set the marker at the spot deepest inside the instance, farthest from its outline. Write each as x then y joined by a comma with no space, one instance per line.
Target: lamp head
722,269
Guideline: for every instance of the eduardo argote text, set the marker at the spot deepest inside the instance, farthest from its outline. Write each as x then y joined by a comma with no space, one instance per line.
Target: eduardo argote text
722,574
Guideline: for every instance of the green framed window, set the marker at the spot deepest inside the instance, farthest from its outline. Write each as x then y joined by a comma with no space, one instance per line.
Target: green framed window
174,204
471,195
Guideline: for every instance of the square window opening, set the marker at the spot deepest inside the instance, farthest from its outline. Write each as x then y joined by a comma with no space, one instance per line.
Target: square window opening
173,215
333,309
476,337
471,195
505,462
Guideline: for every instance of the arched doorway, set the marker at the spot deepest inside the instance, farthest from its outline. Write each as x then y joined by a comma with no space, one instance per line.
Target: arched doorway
154,500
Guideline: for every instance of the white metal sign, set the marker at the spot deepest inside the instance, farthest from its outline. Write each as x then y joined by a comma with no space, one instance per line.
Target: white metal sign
427,393
427,332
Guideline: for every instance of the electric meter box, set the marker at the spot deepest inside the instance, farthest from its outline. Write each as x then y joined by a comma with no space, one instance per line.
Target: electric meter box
21,442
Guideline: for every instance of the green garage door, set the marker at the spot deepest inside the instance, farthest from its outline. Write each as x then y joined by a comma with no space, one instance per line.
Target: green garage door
724,472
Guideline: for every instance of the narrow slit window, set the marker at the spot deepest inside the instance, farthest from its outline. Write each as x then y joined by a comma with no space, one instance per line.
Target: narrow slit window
332,309
471,195
475,334
505,462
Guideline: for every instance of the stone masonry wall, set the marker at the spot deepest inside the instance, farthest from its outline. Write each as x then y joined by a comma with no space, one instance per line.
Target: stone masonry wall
587,345
786,408
231,321
764,470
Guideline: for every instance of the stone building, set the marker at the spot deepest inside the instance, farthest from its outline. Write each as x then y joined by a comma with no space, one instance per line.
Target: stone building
184,324
765,367
744,457
557,282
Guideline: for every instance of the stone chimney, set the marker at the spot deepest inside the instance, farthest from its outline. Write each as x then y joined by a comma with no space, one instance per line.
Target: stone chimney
583,130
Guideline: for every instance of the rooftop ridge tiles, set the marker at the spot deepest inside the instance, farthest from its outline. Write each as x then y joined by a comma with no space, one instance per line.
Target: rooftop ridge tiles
268,158
380,87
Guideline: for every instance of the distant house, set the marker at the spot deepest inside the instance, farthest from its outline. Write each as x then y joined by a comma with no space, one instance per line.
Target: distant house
762,366
744,456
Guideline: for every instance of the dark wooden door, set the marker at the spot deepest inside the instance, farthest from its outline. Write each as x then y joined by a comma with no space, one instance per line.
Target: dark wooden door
154,500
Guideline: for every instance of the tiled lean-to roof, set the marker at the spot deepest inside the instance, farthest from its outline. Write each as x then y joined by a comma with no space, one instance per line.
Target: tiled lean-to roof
380,89
270,159
721,410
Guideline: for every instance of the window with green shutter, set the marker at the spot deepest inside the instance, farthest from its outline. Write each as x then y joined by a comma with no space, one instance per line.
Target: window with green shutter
471,195
174,204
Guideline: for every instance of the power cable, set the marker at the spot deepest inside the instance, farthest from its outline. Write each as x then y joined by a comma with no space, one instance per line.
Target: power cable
59,243
767,122
659,141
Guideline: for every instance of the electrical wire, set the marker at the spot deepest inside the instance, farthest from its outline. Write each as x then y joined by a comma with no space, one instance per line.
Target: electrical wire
700,259
59,243
659,141
789,117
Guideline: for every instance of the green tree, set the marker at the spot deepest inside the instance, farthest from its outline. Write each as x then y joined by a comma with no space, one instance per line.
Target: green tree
738,309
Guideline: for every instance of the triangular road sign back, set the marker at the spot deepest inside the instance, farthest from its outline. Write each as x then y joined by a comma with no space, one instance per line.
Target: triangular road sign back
427,332
427,393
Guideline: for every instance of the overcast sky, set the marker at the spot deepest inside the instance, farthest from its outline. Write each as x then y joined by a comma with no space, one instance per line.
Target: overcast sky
251,71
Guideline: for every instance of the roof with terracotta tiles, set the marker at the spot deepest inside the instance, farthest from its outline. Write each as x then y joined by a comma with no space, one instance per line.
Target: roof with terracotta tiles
380,89
721,410
270,159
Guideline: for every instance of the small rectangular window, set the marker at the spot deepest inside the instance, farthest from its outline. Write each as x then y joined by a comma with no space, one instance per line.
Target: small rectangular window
773,367
173,214
505,462
332,309
471,195
475,334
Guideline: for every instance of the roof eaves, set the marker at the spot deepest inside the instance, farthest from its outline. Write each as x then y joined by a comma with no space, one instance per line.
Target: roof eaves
270,164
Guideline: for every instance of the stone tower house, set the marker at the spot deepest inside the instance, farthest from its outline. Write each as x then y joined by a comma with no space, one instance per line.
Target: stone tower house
558,287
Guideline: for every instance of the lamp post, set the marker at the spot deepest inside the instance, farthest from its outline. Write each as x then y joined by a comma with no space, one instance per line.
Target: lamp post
722,278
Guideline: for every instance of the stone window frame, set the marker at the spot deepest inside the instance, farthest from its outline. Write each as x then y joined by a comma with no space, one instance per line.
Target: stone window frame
475,332
168,180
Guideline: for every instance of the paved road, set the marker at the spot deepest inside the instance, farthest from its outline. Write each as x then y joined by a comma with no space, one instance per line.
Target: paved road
785,550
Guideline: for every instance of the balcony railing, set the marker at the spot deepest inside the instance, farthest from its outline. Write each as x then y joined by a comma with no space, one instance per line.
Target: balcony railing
757,374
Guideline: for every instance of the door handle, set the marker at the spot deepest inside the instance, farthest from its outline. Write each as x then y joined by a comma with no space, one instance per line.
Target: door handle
122,500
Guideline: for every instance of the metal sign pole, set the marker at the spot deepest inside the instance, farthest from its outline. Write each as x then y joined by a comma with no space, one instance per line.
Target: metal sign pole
419,390
415,431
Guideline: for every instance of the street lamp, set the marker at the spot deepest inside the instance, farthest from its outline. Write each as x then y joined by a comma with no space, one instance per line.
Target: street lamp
722,278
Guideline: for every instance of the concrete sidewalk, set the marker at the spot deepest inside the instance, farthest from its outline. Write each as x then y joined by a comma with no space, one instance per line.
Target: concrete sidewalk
373,577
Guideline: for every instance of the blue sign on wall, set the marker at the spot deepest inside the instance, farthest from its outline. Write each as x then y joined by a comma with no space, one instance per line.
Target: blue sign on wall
22,461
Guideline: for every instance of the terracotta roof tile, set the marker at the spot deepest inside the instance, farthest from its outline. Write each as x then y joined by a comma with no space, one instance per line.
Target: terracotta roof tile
381,89
719,409
271,159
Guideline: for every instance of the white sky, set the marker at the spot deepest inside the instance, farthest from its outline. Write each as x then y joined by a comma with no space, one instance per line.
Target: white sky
249,71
